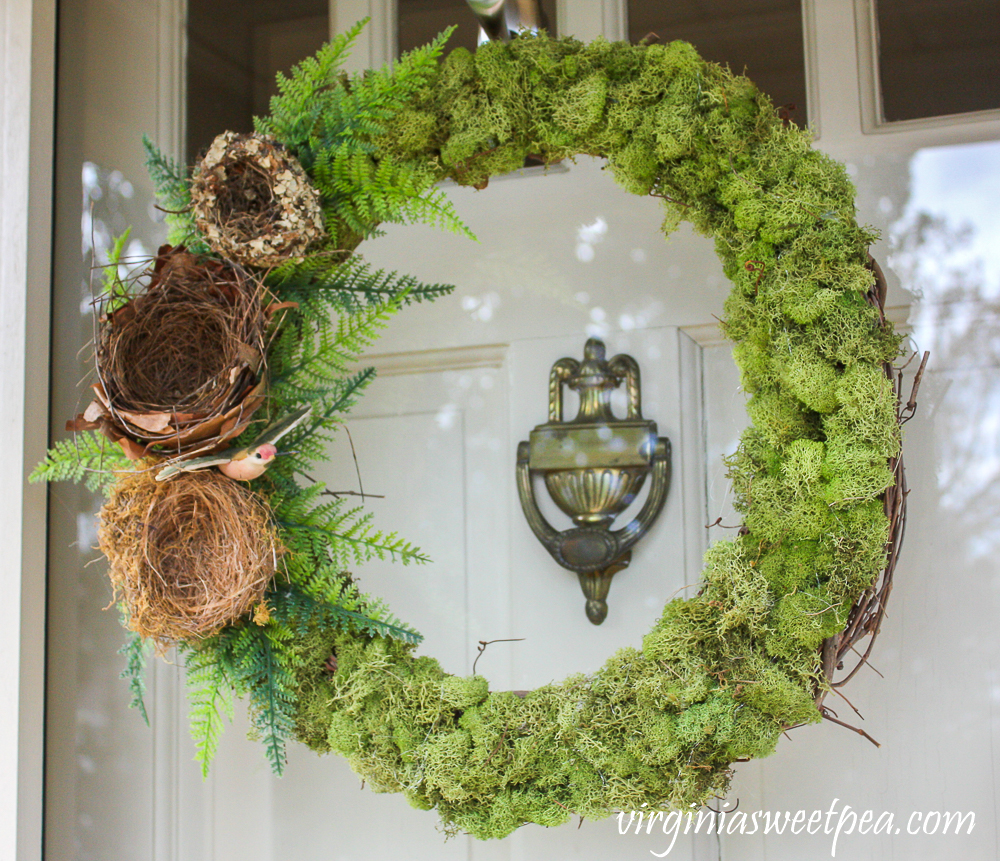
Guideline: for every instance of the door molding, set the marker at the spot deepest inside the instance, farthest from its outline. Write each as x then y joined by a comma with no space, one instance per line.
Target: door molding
430,361
171,58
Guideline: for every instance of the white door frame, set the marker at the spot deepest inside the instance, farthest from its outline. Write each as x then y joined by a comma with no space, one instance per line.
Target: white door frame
27,92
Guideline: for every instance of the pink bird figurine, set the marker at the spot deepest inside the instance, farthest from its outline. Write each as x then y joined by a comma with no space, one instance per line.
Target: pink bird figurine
241,464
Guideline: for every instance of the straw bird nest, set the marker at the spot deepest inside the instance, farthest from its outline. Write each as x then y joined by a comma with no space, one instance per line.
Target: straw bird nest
254,202
181,366
188,556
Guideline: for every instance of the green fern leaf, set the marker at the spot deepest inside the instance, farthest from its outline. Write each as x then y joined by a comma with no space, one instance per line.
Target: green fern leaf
210,695
89,457
173,191
262,671
136,650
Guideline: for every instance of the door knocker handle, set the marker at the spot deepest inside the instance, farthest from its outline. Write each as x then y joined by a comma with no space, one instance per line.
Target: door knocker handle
594,467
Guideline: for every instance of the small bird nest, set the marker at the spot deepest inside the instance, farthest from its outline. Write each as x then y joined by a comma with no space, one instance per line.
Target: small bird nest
254,202
188,556
180,367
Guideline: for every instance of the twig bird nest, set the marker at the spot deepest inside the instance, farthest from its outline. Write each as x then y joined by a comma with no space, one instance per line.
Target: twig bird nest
188,556
254,202
181,366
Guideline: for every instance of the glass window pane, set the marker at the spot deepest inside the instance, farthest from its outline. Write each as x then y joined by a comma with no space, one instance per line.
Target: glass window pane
235,47
938,57
421,20
759,38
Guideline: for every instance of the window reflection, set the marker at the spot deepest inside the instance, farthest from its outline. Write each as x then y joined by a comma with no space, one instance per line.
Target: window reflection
235,48
950,223
946,249
759,38
110,208
938,57
421,20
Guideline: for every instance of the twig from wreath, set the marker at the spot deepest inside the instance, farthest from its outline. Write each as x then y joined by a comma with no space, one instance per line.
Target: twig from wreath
484,643
718,522
503,736
829,715
339,493
357,469
865,617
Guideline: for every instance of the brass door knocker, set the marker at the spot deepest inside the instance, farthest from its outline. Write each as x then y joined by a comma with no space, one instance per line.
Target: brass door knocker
594,466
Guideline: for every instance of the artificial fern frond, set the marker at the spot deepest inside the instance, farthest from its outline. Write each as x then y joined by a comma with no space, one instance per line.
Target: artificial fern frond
363,191
210,694
350,537
303,97
135,650
378,627
169,178
301,609
329,120
322,282
173,190
262,672
321,537
311,360
87,456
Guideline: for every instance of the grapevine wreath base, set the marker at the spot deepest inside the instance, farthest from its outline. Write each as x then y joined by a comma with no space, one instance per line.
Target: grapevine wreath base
817,477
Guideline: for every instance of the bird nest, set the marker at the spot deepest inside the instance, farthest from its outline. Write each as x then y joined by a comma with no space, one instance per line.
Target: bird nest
181,366
188,556
254,202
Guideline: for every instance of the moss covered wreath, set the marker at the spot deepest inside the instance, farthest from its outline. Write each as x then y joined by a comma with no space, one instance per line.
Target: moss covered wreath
817,476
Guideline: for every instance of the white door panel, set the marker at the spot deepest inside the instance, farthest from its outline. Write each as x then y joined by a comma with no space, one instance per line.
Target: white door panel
549,604
430,443
559,253
440,445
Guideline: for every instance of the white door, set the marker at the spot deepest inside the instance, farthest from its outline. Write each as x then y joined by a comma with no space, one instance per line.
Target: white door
562,256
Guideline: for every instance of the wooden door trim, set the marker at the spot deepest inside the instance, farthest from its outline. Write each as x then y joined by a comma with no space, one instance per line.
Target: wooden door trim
27,103
430,361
